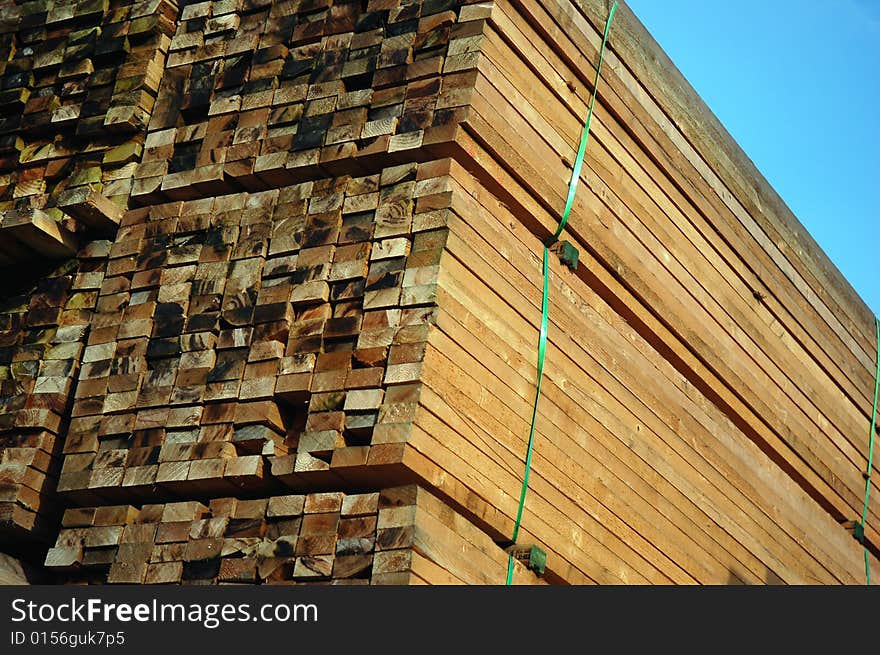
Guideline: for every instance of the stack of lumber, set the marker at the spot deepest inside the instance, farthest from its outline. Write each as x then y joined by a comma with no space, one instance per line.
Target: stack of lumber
718,278
637,477
284,323
261,93
79,81
43,332
401,535
327,280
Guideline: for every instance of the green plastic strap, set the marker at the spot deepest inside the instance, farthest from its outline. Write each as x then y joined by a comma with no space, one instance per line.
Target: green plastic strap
542,352
871,452
545,296
585,135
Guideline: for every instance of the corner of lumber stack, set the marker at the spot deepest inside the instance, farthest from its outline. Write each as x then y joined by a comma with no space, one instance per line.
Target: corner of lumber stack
271,294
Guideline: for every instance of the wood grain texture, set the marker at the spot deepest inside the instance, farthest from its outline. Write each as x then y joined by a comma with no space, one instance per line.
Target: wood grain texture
316,538
322,277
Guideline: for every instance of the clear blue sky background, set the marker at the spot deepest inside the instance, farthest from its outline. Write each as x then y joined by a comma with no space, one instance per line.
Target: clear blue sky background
797,84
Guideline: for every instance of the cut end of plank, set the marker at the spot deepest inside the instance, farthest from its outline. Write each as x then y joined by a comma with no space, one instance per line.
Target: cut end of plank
36,231
90,207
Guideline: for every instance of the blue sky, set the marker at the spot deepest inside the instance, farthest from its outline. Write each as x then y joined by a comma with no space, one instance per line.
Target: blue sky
797,84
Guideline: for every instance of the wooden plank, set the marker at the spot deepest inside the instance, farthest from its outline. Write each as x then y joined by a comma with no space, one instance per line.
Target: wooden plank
280,540
38,232
91,208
